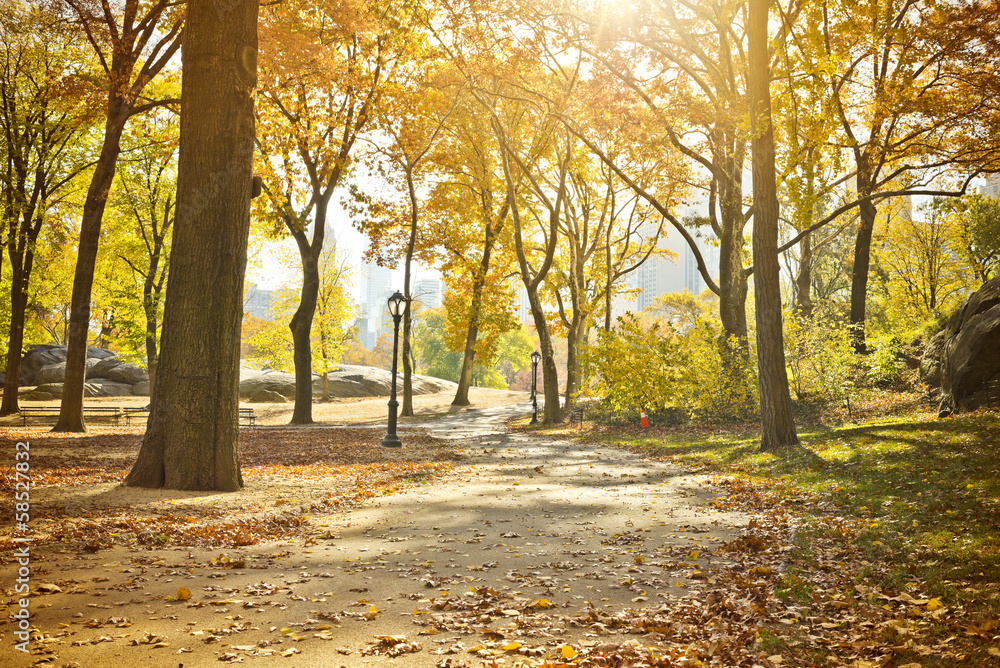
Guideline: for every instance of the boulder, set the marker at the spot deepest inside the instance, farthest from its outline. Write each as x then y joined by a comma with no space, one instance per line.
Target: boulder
970,354
101,368
141,389
53,373
37,357
267,397
40,356
103,387
252,382
342,381
127,373
930,361
45,392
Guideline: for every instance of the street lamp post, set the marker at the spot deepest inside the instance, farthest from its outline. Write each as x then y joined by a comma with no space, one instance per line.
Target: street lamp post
535,357
397,304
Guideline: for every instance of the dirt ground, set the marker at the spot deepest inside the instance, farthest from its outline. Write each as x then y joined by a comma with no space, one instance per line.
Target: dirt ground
499,546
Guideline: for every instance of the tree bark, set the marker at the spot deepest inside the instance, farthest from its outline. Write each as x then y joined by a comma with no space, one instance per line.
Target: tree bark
862,262
777,427
407,408
71,406
475,306
20,274
192,438
803,279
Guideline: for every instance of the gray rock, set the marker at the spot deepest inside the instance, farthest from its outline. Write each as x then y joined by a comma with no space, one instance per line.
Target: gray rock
127,373
267,397
342,381
971,350
930,361
53,373
53,390
141,389
252,382
101,368
103,387
40,356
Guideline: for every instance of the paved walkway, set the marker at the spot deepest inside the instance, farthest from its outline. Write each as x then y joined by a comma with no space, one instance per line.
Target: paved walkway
532,536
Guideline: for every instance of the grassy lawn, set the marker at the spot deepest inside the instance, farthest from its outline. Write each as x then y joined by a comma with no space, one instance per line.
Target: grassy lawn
894,555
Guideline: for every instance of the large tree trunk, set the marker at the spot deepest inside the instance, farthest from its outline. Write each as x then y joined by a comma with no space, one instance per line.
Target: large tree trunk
862,261
71,407
777,428
192,438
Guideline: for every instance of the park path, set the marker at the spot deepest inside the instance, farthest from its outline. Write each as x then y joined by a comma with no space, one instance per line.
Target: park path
531,533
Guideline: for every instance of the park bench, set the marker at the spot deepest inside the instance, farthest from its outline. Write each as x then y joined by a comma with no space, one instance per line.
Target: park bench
113,413
247,416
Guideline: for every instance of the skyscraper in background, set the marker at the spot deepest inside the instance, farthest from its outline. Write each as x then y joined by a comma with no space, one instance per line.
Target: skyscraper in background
992,187
427,291
374,309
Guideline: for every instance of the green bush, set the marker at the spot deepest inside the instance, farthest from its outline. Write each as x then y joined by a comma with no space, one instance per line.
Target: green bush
820,359
673,376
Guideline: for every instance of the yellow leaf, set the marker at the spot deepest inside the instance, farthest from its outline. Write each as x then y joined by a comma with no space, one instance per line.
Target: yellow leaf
568,652
540,603
934,604
286,631
693,555
183,594
511,646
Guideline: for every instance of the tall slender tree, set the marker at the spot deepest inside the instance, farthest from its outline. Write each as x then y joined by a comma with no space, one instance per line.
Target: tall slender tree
133,41
45,115
777,428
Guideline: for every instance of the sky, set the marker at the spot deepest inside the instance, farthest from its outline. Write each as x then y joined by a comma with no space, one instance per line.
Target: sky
279,264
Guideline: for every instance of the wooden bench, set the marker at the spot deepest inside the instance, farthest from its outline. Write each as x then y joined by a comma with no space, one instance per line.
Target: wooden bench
247,416
96,412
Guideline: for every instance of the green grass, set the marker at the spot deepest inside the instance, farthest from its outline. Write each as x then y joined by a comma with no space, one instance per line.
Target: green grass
914,499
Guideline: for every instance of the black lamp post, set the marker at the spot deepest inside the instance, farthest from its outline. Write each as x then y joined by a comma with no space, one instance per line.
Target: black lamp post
397,304
535,357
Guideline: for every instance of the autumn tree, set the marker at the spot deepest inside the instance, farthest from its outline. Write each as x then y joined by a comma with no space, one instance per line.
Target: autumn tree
144,202
324,74
133,41
45,117
429,95
191,441
899,77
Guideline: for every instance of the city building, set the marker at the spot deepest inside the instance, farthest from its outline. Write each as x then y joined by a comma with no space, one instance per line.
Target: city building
257,303
374,313
427,291
992,187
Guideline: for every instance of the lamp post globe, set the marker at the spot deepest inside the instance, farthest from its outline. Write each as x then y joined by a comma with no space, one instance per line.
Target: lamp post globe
397,305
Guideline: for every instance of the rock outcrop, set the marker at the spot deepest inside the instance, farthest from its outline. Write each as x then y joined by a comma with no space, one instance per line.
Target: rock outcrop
343,381
44,368
970,350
